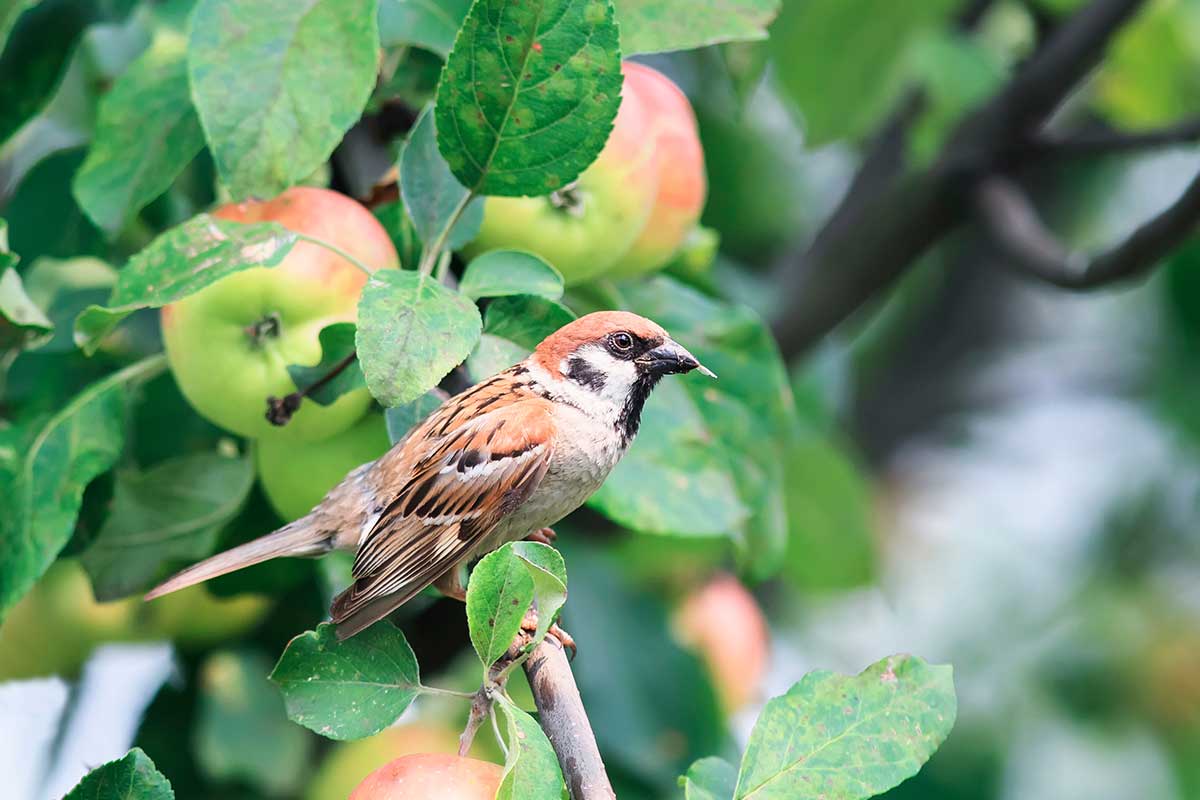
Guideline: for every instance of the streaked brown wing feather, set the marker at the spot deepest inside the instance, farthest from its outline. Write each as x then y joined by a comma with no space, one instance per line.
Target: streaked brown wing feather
464,480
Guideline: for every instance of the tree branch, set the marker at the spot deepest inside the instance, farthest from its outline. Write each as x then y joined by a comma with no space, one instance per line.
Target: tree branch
281,409
1031,247
563,718
869,242
1108,142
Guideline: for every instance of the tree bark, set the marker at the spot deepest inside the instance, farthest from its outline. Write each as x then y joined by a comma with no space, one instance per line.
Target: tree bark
563,718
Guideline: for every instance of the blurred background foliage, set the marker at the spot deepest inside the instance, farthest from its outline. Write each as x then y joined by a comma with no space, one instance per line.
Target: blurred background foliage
983,470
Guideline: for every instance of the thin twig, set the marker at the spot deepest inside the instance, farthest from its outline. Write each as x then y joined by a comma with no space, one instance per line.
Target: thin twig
1107,142
1032,248
434,249
563,718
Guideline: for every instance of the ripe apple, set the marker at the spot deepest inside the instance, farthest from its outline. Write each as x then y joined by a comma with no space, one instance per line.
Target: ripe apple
229,345
583,229
343,768
722,623
296,475
423,776
682,185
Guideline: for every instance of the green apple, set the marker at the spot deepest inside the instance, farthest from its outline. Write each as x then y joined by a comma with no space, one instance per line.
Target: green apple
296,475
229,345
682,184
584,229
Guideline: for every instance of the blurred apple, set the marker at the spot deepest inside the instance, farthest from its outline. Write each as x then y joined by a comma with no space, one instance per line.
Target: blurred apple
229,345
722,623
584,229
53,629
296,475
682,185
425,776
347,762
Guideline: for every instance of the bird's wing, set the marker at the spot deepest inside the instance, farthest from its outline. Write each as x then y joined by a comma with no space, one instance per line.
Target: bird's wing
453,491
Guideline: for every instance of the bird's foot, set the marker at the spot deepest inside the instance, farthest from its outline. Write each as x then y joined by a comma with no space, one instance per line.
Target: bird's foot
542,535
530,623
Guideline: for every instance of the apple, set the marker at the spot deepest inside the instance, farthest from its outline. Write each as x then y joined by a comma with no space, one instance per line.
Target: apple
229,345
722,623
422,776
55,627
682,185
343,768
296,475
583,229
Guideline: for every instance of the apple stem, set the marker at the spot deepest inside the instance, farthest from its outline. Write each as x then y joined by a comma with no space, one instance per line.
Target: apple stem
281,409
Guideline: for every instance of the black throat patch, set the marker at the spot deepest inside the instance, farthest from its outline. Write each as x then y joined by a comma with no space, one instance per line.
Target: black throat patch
631,413
583,373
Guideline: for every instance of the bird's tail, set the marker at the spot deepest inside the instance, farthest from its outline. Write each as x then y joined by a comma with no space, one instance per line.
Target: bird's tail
300,538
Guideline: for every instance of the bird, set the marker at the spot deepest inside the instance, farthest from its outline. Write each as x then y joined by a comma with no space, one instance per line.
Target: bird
499,462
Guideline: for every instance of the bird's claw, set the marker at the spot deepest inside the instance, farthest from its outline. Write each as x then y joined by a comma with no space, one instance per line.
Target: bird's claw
543,536
530,623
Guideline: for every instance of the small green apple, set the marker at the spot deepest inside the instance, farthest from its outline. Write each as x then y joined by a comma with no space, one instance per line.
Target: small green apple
296,475
229,345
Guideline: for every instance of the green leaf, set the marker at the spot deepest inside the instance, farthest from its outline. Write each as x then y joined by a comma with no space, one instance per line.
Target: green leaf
146,133
40,45
675,479
43,217
45,468
1151,75
402,419
529,93
337,344
278,82
180,262
501,273
431,193
498,595
701,437
709,778
531,770
549,574
831,542
243,731
654,26
172,511
431,24
849,737
10,11
411,332
350,689
133,777
396,222
22,323
513,327
838,59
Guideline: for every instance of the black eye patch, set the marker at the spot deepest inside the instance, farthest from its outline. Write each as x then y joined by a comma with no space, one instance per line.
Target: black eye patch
626,346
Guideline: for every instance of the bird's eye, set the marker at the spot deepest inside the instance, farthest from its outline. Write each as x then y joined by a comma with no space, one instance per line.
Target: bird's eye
621,342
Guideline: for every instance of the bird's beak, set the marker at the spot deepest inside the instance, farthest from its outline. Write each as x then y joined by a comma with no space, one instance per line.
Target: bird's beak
671,358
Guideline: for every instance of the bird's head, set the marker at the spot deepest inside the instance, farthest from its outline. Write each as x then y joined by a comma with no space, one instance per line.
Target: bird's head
611,360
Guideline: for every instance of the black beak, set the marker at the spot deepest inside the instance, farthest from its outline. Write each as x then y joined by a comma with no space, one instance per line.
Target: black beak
670,358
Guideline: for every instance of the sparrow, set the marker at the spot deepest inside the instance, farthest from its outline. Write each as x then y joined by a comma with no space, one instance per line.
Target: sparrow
499,462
